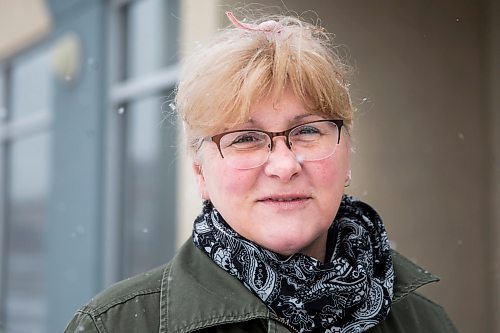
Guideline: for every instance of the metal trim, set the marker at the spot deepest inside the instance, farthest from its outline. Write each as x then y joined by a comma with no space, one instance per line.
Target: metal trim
3,214
145,85
36,123
113,172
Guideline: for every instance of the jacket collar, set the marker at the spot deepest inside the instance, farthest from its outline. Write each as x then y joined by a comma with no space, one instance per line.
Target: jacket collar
408,276
196,293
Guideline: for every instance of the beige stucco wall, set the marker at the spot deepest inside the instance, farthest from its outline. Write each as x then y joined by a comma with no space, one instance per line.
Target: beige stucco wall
424,153
492,69
199,20
22,23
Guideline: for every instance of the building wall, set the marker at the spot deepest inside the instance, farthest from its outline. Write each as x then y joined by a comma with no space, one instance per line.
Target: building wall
87,179
199,22
492,69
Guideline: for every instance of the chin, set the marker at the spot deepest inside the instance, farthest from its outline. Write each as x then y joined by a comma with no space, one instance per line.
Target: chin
285,248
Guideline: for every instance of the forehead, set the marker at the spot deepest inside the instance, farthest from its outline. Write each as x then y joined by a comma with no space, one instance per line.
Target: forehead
284,111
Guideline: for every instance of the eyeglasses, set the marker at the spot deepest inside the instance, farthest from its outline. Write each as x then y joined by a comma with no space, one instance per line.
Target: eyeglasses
249,148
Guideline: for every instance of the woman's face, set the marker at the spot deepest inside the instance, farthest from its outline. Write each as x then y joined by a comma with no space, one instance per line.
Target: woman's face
257,203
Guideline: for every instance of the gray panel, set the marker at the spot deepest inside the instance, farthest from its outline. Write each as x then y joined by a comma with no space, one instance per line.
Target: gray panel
156,20
26,249
75,223
149,183
31,84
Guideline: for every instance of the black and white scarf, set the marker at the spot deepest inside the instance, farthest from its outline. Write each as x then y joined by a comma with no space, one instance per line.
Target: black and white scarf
350,292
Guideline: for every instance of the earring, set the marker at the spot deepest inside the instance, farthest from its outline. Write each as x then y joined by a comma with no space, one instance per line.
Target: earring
348,179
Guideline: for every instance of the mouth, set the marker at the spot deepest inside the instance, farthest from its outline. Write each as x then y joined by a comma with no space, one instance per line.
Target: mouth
288,198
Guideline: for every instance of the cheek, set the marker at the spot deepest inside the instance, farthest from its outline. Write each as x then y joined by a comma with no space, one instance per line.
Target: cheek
233,182
334,170
229,183
329,184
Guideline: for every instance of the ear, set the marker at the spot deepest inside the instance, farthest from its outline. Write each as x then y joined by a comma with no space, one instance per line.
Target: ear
200,180
348,175
348,178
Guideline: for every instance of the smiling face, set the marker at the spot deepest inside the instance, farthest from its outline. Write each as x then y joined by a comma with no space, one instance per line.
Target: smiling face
284,205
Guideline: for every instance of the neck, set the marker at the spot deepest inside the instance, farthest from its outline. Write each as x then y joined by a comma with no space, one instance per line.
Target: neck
317,249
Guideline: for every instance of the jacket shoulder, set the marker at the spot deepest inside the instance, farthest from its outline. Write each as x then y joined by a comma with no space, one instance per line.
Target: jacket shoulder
133,302
410,311
148,283
416,313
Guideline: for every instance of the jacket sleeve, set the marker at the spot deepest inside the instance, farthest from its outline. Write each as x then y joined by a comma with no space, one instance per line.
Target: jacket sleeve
82,323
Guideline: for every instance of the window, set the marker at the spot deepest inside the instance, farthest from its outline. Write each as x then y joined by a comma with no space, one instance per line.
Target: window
25,159
142,173
149,186
38,114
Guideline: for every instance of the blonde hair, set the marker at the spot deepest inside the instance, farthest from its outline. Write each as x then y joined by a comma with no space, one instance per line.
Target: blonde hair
221,81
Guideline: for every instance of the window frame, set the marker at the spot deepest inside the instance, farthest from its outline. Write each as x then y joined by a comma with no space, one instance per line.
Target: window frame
122,91
12,130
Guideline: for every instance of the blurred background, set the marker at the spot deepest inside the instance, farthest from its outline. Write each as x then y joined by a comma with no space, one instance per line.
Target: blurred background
95,185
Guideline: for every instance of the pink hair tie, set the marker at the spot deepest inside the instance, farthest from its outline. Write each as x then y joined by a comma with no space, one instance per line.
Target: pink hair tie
267,26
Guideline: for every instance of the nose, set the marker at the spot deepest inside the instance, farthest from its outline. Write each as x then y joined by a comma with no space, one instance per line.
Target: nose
282,162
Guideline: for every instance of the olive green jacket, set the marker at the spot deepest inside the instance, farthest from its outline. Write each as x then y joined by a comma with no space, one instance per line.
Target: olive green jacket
192,294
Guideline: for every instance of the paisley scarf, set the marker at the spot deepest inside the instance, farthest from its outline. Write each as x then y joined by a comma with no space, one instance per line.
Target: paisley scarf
350,292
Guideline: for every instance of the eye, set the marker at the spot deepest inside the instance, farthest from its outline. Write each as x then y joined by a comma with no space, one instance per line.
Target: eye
244,140
306,133
307,130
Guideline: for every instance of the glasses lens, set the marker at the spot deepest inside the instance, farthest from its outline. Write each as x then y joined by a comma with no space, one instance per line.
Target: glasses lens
245,149
314,141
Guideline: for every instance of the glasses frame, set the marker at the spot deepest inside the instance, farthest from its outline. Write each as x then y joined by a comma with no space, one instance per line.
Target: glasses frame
216,138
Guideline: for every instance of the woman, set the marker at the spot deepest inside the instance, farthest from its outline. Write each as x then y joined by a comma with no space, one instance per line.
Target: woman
278,247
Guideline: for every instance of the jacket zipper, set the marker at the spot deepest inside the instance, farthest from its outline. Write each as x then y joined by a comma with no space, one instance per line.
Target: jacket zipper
284,323
291,328
275,317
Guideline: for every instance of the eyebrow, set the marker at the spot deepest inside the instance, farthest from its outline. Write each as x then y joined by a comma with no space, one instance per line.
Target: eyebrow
302,116
291,122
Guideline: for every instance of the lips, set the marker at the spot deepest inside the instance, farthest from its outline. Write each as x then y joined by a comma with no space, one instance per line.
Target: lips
285,198
285,203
